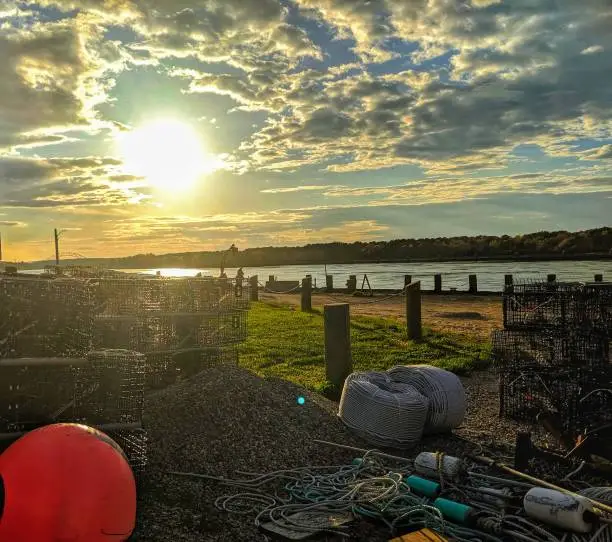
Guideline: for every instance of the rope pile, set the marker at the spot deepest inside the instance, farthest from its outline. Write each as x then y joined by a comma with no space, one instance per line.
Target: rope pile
385,413
371,489
443,389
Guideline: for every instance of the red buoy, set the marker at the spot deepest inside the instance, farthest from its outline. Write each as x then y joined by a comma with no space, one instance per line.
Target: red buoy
66,483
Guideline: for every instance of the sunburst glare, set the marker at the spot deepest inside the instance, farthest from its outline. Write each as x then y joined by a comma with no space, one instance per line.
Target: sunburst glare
168,153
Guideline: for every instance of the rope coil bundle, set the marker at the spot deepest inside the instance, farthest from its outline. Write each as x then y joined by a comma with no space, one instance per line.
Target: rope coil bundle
385,413
443,389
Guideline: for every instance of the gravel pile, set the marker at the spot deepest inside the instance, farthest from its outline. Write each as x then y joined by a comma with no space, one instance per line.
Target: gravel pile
224,420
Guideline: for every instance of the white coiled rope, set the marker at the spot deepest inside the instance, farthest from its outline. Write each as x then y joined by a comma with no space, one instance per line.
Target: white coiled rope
383,412
443,389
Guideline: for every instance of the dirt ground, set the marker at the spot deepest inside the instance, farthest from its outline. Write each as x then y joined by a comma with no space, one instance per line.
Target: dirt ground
472,315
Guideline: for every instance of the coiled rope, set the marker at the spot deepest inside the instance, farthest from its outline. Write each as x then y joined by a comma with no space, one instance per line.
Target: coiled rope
443,389
383,412
368,489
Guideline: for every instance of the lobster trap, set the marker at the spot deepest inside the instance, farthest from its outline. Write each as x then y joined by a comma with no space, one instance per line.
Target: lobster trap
553,358
106,387
556,305
111,386
180,325
41,317
133,442
549,349
138,296
577,399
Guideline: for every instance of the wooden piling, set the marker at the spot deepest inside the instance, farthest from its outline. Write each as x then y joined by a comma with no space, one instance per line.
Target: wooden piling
551,277
508,280
271,278
254,288
473,279
306,294
599,277
413,311
437,283
338,360
329,283
407,280
351,283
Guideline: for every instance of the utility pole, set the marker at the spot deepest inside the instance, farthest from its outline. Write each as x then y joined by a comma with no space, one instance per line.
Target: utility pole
56,235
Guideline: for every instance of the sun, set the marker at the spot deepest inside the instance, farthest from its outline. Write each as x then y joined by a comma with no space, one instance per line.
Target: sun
168,153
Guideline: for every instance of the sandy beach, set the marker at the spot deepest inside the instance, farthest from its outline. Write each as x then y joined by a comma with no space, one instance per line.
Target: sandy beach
471,315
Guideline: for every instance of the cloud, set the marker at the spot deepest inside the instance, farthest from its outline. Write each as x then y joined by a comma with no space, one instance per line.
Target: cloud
603,152
592,50
64,182
433,191
51,77
301,188
512,77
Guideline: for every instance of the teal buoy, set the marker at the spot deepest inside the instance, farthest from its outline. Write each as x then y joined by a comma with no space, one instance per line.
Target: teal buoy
422,486
455,511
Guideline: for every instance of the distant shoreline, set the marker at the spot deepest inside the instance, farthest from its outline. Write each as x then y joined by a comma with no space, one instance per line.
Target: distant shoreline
466,259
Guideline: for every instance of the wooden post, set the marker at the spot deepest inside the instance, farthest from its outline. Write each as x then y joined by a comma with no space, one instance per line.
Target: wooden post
413,311
551,277
351,283
254,288
271,278
508,280
329,283
473,284
56,239
407,280
437,283
599,277
338,360
306,294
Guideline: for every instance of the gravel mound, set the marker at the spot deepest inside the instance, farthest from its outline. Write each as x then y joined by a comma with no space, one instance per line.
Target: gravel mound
224,420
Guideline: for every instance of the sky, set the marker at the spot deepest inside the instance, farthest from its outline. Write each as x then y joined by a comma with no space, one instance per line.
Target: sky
155,126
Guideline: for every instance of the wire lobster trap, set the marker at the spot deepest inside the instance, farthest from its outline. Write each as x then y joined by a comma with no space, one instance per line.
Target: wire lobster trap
159,332
36,392
138,296
111,387
541,305
133,443
578,399
543,350
555,305
598,304
179,324
42,317
163,368
106,387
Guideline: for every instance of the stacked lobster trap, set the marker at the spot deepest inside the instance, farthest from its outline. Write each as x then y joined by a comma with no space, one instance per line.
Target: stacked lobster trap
180,325
553,356
85,350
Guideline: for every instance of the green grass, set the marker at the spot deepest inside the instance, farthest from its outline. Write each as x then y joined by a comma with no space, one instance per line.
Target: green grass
286,343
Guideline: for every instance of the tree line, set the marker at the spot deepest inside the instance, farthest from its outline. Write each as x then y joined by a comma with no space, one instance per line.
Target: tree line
595,243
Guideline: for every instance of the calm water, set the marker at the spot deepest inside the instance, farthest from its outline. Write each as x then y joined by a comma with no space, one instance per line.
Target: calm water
391,275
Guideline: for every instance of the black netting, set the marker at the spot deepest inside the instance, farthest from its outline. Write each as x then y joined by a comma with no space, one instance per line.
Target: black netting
577,399
553,305
41,317
548,349
553,358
